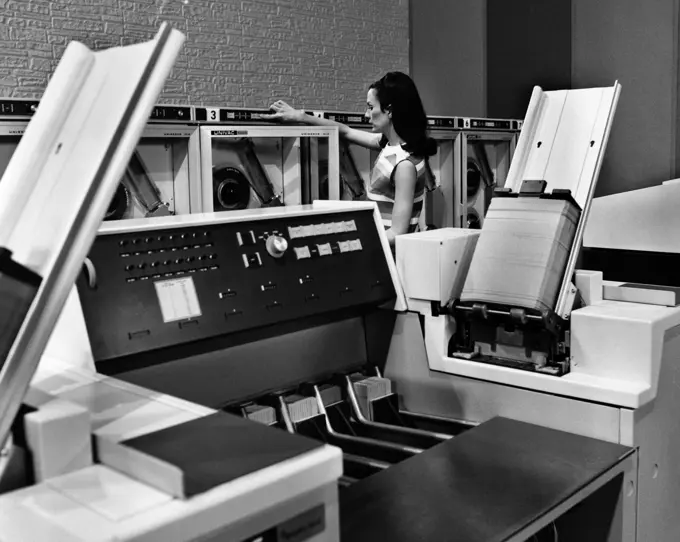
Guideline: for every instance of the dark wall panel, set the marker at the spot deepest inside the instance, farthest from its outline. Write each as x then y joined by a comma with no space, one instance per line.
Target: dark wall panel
447,55
528,44
635,43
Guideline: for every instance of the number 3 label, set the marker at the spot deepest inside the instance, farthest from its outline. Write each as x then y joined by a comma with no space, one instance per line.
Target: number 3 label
212,114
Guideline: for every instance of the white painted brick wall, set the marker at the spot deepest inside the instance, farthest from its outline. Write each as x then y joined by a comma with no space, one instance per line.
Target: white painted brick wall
320,54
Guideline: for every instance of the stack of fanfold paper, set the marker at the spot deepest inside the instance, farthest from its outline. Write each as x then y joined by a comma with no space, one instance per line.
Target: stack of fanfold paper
301,408
260,413
522,252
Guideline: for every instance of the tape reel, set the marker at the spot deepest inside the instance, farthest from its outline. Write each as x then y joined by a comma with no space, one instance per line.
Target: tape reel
474,178
119,205
231,189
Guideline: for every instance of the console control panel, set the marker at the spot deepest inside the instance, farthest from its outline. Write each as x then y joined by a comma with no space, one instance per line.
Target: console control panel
165,288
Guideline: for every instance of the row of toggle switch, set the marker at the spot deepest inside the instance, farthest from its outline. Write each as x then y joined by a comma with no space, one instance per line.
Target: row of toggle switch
177,261
164,250
164,239
168,274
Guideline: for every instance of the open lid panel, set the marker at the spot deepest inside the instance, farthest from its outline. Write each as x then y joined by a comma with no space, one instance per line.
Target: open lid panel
562,142
634,236
266,166
57,187
644,220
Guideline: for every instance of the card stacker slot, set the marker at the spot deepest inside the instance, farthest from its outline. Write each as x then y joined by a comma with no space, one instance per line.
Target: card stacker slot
259,413
341,432
362,456
342,426
387,410
373,437
305,415
404,435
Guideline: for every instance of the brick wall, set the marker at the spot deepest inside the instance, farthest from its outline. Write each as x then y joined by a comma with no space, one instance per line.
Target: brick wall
319,53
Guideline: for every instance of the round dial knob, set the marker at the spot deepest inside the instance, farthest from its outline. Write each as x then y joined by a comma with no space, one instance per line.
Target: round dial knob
276,246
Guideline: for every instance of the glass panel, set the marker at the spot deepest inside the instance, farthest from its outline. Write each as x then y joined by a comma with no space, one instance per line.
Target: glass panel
439,203
266,171
488,161
356,164
8,145
149,186
247,173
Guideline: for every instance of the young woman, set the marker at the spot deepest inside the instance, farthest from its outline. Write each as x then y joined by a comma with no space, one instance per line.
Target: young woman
401,173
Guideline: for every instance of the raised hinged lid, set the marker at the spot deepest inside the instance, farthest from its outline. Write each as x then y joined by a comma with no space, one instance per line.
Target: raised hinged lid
563,139
562,142
57,186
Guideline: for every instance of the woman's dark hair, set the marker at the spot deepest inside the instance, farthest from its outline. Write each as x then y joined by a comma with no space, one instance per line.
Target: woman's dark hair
397,92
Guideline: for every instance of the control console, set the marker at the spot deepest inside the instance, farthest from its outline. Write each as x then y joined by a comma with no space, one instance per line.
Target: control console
179,281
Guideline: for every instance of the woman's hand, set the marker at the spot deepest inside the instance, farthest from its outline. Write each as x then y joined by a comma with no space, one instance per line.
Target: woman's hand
284,113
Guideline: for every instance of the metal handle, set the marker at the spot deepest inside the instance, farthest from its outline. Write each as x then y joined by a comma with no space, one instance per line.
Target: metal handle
406,431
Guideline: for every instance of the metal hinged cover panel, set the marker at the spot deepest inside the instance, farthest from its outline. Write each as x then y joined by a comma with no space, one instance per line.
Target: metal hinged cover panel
58,184
563,140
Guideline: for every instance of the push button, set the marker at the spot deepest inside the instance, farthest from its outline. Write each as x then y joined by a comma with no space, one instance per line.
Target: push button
302,253
325,249
350,225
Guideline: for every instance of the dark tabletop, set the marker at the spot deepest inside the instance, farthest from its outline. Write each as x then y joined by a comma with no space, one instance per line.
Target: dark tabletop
482,486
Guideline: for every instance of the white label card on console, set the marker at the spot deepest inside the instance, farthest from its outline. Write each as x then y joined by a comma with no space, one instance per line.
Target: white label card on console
178,299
